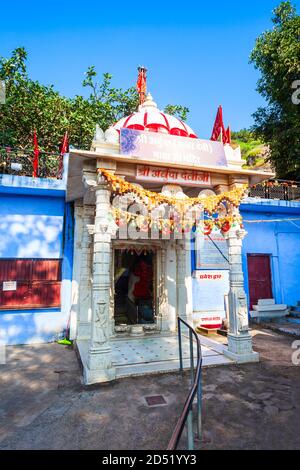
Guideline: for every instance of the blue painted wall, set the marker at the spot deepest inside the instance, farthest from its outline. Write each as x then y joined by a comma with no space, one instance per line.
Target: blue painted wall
280,240
35,222
31,226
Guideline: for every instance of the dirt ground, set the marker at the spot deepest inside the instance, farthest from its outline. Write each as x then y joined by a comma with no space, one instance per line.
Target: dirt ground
43,404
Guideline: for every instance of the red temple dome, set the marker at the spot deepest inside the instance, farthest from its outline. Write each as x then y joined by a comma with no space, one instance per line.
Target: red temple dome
150,118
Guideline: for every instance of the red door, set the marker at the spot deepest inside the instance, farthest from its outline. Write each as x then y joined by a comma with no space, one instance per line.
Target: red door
259,275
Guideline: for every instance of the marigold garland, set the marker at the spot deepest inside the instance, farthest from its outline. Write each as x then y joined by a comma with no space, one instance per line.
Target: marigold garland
143,222
151,200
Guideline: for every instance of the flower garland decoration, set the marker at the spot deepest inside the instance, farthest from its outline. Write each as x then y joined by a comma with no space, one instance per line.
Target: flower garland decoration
143,222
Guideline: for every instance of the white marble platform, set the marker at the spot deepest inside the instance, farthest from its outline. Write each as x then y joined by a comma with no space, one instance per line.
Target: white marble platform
146,355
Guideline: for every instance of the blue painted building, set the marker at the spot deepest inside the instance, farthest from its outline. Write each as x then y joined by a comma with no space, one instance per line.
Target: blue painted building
272,250
271,260
36,226
36,249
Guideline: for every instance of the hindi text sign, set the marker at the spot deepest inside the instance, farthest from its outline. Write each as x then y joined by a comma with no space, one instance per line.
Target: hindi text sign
165,148
155,174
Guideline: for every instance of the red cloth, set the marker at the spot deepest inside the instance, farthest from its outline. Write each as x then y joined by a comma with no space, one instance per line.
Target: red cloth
36,152
142,288
64,149
219,127
65,145
141,84
228,135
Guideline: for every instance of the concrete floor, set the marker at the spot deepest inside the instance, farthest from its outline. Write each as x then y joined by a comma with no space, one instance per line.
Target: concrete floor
288,326
43,404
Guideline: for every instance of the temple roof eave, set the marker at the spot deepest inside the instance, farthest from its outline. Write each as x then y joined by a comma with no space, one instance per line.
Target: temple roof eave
135,160
77,158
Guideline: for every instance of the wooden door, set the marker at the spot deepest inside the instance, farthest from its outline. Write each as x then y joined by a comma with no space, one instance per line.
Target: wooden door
38,283
259,276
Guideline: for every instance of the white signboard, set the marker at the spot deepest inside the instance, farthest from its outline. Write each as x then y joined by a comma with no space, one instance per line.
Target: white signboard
212,251
212,286
168,149
172,175
9,285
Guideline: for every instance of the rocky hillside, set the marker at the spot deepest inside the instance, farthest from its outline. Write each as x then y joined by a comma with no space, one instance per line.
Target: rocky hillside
254,152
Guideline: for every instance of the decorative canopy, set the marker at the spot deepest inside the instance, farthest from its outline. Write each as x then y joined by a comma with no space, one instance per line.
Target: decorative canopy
150,118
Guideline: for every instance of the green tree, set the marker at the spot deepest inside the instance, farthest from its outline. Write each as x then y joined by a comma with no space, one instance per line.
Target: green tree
277,56
181,112
31,105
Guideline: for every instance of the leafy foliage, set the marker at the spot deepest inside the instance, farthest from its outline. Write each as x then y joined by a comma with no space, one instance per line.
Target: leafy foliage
31,105
181,112
277,56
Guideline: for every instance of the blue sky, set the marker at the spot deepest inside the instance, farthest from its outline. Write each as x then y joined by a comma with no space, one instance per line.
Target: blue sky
196,52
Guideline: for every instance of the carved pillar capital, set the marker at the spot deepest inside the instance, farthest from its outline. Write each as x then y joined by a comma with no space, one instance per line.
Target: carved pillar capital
235,233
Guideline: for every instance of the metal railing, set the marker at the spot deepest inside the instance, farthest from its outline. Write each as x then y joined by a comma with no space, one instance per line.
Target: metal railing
15,161
276,189
196,389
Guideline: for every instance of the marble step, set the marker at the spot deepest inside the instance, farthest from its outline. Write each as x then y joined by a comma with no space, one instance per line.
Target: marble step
270,308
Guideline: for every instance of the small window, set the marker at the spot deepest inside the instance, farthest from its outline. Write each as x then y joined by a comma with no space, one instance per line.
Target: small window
30,283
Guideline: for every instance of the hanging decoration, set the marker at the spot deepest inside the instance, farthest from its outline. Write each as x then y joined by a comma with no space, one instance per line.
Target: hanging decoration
180,218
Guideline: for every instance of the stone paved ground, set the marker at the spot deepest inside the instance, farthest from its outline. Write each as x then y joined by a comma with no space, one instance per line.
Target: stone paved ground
44,406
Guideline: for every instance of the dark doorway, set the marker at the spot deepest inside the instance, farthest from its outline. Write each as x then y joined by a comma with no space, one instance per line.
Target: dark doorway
259,275
133,278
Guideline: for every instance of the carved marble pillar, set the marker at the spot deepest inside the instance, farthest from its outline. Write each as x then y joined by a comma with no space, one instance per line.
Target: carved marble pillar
239,338
99,364
85,308
164,310
112,295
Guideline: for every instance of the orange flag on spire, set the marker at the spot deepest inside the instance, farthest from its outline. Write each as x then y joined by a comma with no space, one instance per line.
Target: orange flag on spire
141,84
36,152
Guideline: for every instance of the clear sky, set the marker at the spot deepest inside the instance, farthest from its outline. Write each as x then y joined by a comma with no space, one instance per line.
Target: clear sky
196,52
